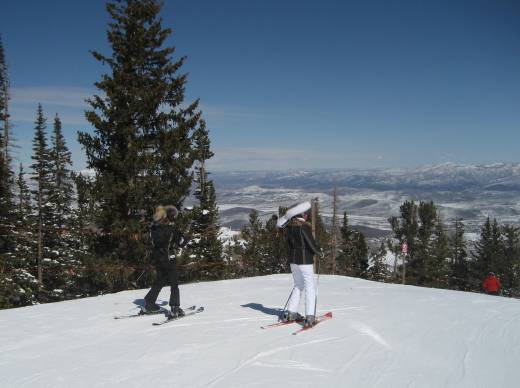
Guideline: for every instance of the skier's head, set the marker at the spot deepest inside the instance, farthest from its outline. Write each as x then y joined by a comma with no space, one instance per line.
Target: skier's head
491,274
165,213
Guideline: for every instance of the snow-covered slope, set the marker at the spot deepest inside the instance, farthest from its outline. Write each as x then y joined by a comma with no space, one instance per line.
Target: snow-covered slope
381,336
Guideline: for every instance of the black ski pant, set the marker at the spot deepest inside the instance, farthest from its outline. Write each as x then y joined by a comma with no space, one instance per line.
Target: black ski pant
166,276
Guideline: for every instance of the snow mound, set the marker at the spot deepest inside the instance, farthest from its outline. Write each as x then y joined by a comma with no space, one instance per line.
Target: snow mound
381,335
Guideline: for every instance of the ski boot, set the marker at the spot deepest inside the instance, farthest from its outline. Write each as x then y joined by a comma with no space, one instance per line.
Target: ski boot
289,316
176,312
310,321
150,308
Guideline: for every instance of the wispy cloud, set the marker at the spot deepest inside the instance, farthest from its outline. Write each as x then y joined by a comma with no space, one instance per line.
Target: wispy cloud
73,97
68,102
263,158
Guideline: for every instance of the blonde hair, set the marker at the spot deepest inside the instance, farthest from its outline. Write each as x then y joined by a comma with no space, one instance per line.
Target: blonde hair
160,214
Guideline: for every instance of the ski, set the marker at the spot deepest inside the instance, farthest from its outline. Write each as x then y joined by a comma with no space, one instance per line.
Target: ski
278,324
190,311
319,319
141,314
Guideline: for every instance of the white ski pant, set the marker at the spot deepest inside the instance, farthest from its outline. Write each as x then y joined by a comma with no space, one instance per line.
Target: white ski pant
303,276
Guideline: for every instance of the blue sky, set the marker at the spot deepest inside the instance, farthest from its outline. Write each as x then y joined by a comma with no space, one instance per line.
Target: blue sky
298,84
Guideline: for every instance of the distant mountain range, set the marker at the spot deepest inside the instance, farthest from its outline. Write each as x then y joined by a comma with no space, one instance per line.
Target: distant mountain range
448,176
371,196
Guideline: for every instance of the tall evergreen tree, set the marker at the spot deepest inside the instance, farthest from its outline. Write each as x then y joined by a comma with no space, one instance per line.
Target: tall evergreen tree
252,253
510,276
61,164
489,252
42,177
423,259
3,80
60,247
4,105
438,266
353,253
459,278
206,245
24,289
275,246
141,149
405,229
6,172
378,270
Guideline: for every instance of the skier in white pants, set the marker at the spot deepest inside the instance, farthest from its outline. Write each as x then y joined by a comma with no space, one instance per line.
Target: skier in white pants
302,248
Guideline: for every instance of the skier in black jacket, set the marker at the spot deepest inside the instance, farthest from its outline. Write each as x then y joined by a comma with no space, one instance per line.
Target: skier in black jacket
164,235
302,248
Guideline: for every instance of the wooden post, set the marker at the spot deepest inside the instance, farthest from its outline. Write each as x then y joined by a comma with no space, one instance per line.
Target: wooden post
404,251
334,237
313,224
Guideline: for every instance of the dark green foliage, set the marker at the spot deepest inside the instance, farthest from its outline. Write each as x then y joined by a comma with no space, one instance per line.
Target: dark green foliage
428,249
353,251
459,279
42,177
510,276
264,249
6,173
489,252
204,251
141,149
252,254
378,270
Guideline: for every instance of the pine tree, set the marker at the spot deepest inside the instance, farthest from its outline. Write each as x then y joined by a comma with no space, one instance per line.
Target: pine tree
141,149
62,177
24,286
205,245
353,252
489,253
43,178
405,229
60,245
275,247
438,266
6,172
3,81
459,278
378,270
252,253
422,262
510,276
4,106
334,232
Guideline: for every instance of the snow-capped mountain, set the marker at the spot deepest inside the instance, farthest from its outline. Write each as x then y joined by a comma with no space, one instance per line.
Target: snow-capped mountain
371,196
381,335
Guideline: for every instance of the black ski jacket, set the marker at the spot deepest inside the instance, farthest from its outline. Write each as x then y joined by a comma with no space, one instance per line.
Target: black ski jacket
163,235
302,246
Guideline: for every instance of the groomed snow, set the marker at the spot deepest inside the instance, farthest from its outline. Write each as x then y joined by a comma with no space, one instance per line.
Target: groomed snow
381,335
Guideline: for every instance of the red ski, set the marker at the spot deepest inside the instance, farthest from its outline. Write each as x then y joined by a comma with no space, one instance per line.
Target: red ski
319,319
281,323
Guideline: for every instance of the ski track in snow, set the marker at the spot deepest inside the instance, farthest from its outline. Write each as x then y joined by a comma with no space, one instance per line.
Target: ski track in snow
252,359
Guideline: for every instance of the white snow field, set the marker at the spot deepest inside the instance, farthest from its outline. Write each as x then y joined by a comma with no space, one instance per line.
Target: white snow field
381,335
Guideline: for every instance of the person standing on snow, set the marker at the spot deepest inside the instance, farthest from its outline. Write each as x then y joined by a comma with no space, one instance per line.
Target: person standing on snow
164,235
302,248
491,284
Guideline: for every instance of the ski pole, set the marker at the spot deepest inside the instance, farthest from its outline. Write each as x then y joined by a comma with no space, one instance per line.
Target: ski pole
317,286
286,303
134,283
